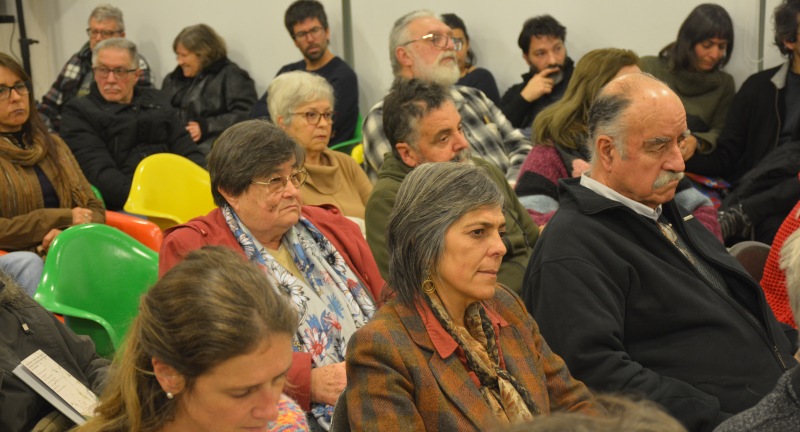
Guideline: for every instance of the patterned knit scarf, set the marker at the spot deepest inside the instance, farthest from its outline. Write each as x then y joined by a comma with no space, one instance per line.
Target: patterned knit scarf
20,191
509,400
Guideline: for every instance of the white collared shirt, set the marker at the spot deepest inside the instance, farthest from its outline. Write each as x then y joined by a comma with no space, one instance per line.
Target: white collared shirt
607,192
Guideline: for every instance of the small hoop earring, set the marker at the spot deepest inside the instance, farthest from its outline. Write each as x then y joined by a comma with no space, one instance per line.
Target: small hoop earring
170,395
427,285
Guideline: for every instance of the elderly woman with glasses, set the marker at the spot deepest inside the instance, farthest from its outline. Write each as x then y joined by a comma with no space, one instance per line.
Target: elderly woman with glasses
314,256
302,103
454,350
209,91
42,188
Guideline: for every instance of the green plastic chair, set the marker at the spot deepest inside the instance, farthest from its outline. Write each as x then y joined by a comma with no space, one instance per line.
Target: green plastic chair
93,276
347,146
98,194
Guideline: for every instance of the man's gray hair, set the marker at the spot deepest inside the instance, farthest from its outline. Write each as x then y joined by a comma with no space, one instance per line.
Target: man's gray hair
120,44
399,34
607,114
290,90
107,12
431,198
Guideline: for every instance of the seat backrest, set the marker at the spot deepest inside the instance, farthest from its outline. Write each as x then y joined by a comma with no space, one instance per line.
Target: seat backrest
752,255
169,190
94,275
144,231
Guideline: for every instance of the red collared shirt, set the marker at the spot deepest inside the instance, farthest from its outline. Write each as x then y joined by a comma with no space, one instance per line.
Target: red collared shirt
445,345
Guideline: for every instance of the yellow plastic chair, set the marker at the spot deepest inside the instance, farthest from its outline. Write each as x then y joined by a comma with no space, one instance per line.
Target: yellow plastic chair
358,154
169,190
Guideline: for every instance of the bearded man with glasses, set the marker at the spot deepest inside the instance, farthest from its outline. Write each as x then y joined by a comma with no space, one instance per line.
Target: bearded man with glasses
307,25
119,123
423,47
75,77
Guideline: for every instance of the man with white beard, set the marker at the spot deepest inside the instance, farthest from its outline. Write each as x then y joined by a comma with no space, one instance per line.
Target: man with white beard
422,47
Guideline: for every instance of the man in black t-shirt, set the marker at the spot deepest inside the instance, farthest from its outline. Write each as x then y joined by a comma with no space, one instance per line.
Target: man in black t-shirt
308,26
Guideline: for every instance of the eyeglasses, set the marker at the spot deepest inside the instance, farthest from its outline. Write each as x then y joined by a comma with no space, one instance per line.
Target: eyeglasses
439,41
314,32
313,117
21,88
120,73
278,184
105,33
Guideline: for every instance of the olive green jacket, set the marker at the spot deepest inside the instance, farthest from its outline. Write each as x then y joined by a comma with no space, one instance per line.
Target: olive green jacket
521,231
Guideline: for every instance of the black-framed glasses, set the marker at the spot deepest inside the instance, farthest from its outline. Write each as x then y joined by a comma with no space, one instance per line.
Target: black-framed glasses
22,88
278,184
120,73
313,117
92,33
439,40
315,32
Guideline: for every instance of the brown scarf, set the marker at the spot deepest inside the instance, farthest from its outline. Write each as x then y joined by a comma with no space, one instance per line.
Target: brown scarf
20,191
509,400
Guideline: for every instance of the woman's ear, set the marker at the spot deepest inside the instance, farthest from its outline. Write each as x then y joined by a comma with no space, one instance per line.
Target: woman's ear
171,380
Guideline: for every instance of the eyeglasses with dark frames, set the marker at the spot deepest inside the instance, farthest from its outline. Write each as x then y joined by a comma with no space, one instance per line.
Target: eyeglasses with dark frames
92,33
314,32
439,40
120,73
313,117
22,88
278,184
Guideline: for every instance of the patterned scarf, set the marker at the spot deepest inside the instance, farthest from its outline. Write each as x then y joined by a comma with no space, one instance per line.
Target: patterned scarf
20,191
331,302
509,400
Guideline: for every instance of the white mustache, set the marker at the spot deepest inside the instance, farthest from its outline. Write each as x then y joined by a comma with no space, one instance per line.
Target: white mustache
665,177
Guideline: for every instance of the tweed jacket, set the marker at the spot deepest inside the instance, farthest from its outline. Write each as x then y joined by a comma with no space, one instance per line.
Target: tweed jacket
397,380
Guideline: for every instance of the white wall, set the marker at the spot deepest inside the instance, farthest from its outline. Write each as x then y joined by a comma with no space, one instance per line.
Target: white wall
258,41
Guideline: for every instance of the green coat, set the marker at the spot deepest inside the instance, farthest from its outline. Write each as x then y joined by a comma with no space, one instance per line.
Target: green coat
521,231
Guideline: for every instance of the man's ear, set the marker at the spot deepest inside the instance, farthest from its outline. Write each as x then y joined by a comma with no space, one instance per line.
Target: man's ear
408,155
138,74
606,152
280,123
170,380
527,60
403,56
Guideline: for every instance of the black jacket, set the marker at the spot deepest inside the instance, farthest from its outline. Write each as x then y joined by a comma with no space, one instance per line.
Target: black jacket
520,112
630,313
110,139
27,327
751,129
220,96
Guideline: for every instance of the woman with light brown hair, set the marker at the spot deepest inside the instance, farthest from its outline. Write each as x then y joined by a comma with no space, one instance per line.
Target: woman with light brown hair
210,92
209,350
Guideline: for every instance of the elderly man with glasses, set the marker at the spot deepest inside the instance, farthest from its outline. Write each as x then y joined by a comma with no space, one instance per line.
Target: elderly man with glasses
75,77
423,47
307,25
119,123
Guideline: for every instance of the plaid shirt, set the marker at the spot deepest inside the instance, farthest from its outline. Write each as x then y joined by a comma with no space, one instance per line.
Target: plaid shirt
490,134
69,82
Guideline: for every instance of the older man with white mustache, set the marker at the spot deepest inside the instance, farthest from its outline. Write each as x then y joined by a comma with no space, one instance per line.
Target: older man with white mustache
632,291
421,46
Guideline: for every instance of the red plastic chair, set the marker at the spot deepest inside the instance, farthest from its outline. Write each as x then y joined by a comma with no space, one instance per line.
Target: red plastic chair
146,232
